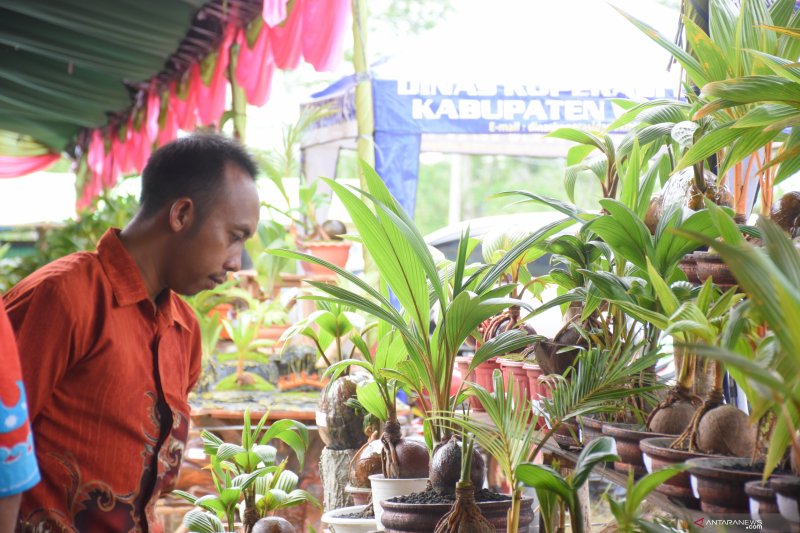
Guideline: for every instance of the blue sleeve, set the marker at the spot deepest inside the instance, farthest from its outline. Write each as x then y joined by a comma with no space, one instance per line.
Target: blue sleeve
18,468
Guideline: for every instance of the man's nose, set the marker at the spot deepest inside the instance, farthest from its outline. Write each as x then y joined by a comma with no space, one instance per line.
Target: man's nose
233,263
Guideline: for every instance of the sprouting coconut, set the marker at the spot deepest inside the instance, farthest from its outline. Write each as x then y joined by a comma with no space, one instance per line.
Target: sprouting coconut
446,465
557,355
465,515
366,462
787,213
719,428
674,414
274,524
402,458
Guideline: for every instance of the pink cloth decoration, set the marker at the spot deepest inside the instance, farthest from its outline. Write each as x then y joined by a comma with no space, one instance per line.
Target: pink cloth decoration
187,109
211,98
254,67
274,12
323,32
287,39
170,130
96,155
13,167
153,108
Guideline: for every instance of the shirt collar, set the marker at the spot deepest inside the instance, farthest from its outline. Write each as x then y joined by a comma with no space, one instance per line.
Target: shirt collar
126,279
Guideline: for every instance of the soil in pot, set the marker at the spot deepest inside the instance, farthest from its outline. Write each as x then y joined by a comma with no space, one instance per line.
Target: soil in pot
719,482
627,438
409,517
657,454
347,520
340,427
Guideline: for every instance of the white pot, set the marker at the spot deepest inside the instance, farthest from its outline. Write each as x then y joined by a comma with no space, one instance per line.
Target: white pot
383,489
348,525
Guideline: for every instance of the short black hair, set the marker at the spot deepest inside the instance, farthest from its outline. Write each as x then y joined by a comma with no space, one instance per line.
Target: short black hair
193,167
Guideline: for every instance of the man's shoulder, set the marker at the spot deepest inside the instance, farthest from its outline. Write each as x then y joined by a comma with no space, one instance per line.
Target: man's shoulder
73,273
184,311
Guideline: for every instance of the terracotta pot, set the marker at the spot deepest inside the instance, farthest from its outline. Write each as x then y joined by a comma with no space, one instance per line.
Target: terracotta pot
533,371
787,490
483,373
422,518
627,438
222,311
462,364
720,485
272,332
711,265
335,252
657,455
340,428
591,429
513,370
689,266
763,500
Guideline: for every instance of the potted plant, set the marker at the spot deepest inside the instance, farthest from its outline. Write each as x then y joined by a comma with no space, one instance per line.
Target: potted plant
243,332
407,267
336,331
250,483
766,276
403,467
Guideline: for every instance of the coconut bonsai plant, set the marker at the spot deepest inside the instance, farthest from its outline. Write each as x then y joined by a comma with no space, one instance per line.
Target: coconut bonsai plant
247,477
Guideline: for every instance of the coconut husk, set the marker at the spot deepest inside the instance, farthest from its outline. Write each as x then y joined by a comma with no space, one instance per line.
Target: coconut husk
465,515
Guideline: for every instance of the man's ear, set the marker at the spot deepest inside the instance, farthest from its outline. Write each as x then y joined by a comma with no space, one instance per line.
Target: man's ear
182,214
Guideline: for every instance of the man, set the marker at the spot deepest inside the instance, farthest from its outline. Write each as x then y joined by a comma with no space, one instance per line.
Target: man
109,351
18,470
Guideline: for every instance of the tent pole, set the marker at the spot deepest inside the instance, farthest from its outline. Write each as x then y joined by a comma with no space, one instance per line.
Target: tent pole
365,118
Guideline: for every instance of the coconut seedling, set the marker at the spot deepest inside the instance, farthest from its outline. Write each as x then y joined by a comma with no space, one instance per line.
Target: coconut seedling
462,299
400,457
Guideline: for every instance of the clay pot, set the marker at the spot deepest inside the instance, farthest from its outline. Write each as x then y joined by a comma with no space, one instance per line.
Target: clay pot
689,266
787,490
657,455
422,518
533,371
513,370
483,373
335,252
462,364
340,428
385,488
763,499
719,483
627,438
567,435
591,429
711,265
360,495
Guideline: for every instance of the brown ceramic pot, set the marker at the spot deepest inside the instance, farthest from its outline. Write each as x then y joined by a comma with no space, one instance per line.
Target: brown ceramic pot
657,451
711,265
567,435
627,438
763,500
787,491
719,483
422,518
591,429
689,266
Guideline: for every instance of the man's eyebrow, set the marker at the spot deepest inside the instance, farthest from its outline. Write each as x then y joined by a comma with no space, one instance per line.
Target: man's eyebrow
244,229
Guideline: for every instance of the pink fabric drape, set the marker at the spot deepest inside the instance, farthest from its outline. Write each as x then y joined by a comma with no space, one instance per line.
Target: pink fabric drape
255,66
13,167
287,38
274,12
323,32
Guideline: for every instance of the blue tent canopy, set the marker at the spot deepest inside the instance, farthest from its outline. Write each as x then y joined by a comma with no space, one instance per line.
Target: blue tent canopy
454,98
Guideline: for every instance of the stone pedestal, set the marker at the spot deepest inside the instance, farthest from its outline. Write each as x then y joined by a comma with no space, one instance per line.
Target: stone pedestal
334,466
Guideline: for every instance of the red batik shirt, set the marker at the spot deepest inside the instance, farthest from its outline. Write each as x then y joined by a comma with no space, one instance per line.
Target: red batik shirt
107,376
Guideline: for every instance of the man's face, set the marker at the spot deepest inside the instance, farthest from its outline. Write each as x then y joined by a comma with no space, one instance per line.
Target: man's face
202,256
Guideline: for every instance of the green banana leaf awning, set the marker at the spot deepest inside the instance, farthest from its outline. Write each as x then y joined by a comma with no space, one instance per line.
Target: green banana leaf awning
108,81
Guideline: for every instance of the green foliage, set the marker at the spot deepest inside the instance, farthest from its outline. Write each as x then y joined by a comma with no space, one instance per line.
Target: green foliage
626,510
546,479
249,475
81,234
407,267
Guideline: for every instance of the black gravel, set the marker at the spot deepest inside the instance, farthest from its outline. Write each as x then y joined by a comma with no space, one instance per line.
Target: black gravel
357,515
431,496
